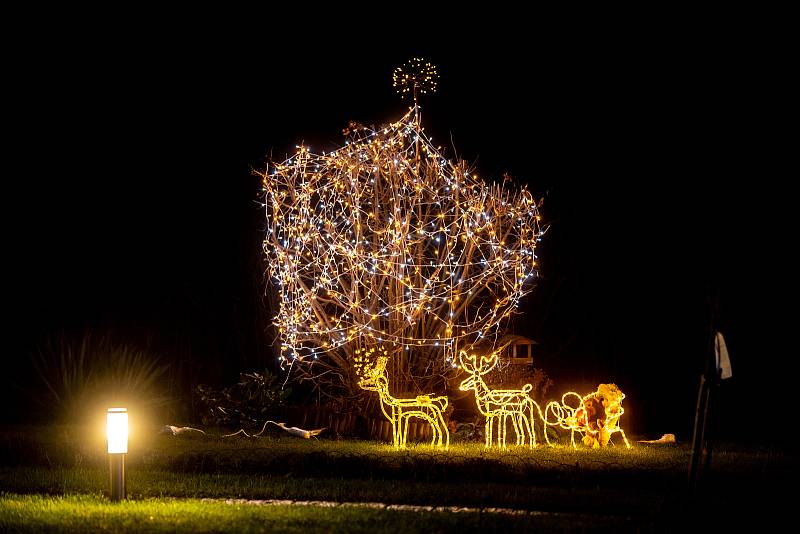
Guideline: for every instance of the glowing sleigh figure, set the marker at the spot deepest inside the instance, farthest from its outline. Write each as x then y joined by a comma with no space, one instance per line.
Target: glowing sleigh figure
399,411
595,416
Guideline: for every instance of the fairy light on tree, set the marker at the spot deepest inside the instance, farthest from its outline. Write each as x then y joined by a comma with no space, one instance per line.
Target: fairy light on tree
386,241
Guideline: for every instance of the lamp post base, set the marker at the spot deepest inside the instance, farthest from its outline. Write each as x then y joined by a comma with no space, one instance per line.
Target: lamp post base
117,472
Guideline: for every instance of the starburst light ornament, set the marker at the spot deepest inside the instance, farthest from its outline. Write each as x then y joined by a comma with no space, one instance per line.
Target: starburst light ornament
414,77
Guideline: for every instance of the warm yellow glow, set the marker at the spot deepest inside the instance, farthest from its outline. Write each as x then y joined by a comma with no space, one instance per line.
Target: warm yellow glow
498,405
398,411
117,430
595,416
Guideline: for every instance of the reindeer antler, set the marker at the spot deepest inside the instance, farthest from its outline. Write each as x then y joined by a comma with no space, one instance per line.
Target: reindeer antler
488,363
380,365
470,362
365,361
464,358
375,368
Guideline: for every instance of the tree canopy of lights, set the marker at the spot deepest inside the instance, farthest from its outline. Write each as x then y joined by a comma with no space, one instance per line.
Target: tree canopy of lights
386,241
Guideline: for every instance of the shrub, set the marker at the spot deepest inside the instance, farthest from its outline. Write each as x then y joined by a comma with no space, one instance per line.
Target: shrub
247,403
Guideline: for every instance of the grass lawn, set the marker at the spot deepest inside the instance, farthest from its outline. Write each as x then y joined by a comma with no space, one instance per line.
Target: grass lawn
54,477
72,513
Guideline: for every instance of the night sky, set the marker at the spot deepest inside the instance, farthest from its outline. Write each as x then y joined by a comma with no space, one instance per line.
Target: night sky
130,203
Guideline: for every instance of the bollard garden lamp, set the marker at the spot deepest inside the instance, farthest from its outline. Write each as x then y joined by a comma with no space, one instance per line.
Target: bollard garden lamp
117,435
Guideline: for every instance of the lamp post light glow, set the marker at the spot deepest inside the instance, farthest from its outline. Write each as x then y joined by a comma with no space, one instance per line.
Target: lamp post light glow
117,436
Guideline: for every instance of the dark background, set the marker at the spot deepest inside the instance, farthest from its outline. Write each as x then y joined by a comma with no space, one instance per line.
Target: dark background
130,203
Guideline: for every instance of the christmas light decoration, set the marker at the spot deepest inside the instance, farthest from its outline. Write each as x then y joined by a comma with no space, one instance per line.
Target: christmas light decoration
498,405
595,416
399,411
386,241
415,76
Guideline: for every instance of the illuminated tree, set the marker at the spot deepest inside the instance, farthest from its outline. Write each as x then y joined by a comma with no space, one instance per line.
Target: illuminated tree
386,241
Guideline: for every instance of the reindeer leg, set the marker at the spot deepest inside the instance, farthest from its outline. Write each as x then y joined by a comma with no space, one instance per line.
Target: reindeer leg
515,420
397,429
446,431
625,439
544,422
443,430
505,429
500,420
532,425
436,431
500,427
502,431
525,423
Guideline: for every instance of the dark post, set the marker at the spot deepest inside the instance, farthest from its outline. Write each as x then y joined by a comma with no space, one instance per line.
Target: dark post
117,471
700,438
709,379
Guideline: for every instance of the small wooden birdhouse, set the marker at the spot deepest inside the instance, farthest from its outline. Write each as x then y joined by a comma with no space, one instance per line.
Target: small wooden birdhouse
519,349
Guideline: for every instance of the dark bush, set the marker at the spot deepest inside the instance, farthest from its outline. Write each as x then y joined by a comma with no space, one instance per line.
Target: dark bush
246,404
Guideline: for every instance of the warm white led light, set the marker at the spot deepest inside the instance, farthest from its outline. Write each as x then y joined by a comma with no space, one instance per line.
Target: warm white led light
117,430
387,242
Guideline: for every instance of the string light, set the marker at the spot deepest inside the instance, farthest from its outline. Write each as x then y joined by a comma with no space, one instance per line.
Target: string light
595,416
372,371
386,239
500,404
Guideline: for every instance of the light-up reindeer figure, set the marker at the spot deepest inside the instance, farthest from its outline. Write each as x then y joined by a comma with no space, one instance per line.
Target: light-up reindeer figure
399,411
500,404
595,416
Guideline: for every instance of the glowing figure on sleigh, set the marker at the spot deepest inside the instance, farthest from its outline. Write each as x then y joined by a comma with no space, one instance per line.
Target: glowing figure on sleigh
595,416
